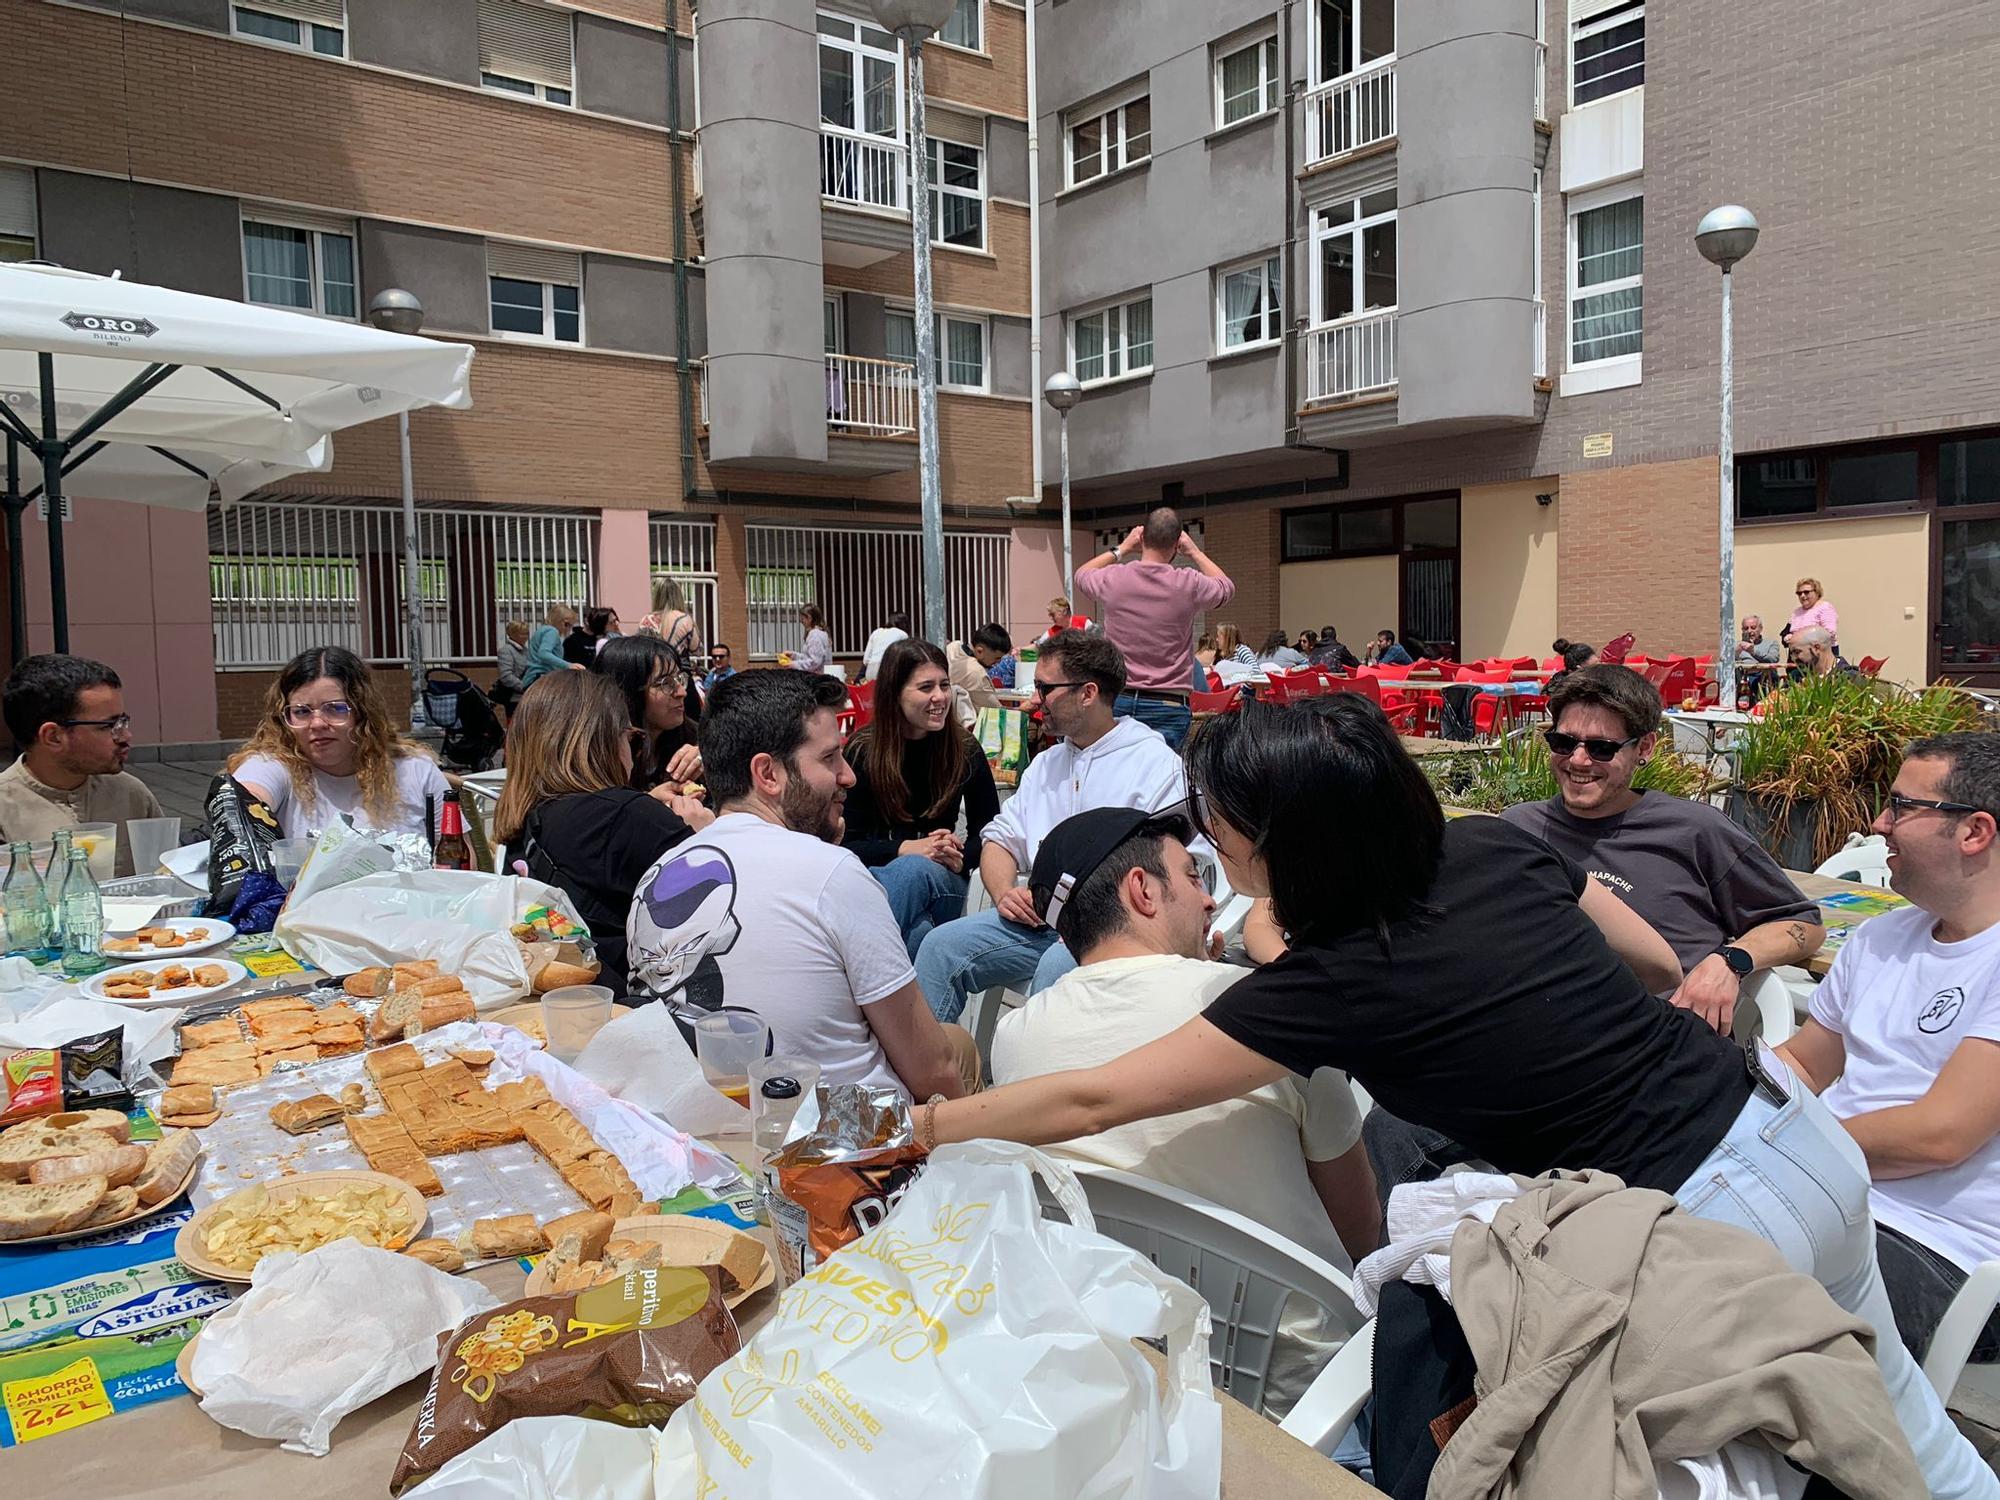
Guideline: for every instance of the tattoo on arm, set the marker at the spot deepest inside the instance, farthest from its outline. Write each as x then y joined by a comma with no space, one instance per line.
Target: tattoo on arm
1797,932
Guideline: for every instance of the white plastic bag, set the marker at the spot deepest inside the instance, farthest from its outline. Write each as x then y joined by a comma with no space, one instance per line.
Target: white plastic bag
548,1458
965,1347
460,918
320,1334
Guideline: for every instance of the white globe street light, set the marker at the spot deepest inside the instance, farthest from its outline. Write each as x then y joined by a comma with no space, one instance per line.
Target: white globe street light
1062,391
1724,236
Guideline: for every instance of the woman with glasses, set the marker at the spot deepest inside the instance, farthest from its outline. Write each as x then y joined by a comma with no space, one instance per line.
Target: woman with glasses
568,815
1477,982
326,747
652,677
1813,610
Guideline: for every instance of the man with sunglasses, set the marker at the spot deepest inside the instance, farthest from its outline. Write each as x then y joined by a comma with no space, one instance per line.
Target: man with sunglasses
1704,884
1903,1041
67,716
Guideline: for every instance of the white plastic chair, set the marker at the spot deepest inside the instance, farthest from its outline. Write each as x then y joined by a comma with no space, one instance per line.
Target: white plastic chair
1245,1273
1958,1330
1863,859
1764,1009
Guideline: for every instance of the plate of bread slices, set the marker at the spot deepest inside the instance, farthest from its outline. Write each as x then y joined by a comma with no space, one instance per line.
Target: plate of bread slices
170,937
172,983
67,1175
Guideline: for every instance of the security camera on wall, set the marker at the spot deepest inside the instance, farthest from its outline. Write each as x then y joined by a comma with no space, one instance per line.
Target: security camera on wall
1547,499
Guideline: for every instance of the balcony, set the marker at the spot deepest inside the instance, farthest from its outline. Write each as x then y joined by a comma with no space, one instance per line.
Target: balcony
871,416
1351,113
1353,358
864,198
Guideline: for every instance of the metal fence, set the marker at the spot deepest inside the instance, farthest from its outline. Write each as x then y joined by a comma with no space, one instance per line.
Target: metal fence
1353,356
860,576
1355,110
685,550
288,575
863,169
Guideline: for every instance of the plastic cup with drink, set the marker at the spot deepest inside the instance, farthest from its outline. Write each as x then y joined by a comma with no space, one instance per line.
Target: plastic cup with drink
726,1043
571,1016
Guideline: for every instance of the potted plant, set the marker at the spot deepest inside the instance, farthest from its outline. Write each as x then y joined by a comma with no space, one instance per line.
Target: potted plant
1517,770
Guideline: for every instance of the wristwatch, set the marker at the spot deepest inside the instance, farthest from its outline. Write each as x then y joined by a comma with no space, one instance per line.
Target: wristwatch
1741,964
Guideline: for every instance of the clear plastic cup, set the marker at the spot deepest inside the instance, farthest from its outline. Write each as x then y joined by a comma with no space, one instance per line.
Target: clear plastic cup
771,1113
572,1016
726,1043
288,858
100,842
151,838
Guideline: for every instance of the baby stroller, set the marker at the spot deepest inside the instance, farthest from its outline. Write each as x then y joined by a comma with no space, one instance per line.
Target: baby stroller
473,735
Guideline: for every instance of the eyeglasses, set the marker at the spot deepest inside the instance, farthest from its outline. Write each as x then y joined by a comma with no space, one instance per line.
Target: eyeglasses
670,683
1043,689
1804,593
298,715
117,723
1564,745
1899,806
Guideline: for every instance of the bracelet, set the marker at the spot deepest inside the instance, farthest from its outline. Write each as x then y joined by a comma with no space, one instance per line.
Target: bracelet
927,1130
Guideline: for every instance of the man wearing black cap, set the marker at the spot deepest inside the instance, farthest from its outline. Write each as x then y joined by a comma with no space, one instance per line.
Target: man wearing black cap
1121,888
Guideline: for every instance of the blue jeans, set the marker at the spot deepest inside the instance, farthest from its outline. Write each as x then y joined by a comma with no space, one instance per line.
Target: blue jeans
975,953
1164,714
922,893
1790,1173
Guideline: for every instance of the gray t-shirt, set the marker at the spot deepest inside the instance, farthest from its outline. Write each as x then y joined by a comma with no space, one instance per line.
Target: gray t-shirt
1697,877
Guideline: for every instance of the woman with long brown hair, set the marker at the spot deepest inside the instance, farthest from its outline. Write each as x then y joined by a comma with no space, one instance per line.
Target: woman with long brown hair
915,767
325,747
817,653
567,815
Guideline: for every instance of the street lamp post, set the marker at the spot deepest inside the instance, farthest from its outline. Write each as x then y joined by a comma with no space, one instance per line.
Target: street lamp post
914,22
1724,236
1062,392
396,311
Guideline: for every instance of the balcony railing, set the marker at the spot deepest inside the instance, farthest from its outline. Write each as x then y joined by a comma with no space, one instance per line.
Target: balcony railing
1350,112
864,397
863,169
1541,339
1353,357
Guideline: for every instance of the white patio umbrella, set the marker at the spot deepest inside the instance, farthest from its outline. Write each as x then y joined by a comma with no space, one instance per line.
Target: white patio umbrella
179,384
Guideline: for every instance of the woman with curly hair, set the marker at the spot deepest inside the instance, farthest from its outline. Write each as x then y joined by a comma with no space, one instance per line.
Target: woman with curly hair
325,747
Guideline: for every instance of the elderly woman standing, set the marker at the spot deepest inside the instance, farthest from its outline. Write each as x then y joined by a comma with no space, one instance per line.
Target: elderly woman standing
1814,610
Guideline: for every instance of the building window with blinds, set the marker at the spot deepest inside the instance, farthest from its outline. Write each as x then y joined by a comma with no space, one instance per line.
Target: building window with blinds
307,267
310,25
1606,294
1247,305
535,293
527,50
17,214
1246,80
962,30
961,344
1110,343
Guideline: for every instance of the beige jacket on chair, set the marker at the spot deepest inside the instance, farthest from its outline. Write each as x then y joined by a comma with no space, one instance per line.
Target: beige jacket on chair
1612,1330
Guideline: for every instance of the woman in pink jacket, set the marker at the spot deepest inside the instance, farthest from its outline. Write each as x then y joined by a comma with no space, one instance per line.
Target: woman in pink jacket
1814,610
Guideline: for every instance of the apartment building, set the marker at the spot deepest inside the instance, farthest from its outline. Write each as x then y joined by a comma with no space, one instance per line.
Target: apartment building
1403,302
635,215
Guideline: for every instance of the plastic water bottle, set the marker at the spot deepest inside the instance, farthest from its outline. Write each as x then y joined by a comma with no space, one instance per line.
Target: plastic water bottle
54,883
30,922
82,920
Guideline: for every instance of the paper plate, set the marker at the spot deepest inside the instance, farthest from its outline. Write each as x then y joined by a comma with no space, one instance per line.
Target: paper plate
188,1243
687,1240
187,994
184,1367
215,934
526,1015
145,1211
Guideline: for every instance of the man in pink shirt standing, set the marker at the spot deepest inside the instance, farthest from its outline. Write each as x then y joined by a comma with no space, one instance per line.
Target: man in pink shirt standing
1148,608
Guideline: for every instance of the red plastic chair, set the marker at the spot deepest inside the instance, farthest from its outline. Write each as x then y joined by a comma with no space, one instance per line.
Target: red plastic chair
1615,651
1403,713
1228,701
1683,678
861,695
1871,666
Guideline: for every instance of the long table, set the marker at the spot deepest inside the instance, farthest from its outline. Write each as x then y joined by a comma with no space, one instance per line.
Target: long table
1843,906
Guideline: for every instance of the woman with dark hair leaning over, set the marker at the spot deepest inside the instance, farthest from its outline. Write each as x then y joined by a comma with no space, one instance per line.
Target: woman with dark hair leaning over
915,767
1470,978
653,679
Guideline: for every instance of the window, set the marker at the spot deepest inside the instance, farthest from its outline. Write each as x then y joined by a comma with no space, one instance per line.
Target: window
1881,477
1606,299
1106,140
1348,35
1968,472
1425,523
1885,478
860,78
310,25
1247,311
962,30
17,214
1110,342
961,345
312,270
535,293
527,50
958,194
1607,53
833,323
1784,486
1354,257
1246,81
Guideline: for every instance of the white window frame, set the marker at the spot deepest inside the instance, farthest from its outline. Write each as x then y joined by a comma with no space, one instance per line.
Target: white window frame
1313,78
548,333
20,228
1598,19
836,305
308,30
1271,267
940,189
1580,204
856,48
1355,226
1114,141
1265,44
500,83
315,235
1116,350
940,320
978,42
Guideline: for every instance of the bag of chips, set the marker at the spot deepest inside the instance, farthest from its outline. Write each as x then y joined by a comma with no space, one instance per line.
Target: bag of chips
241,831
849,1156
630,1351
93,1072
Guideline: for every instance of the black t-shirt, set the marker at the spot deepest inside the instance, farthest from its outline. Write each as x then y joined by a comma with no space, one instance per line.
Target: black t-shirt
1502,1018
876,841
596,846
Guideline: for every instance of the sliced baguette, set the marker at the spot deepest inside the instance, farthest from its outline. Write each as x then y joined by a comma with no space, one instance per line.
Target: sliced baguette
166,1164
119,1203
117,1166
26,1212
110,1121
394,1015
20,1149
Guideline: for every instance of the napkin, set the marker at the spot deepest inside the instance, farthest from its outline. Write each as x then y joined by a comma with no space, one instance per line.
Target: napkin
643,1059
321,1333
149,1034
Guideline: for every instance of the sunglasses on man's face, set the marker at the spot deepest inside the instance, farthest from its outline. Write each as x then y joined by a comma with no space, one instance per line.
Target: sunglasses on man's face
1564,746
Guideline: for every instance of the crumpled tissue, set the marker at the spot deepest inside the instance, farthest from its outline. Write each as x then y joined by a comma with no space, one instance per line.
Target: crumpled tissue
320,1334
54,1018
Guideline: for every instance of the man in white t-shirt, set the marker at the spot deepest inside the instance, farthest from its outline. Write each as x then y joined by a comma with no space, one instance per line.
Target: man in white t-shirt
1904,1036
1101,761
1124,891
764,909
880,640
